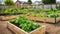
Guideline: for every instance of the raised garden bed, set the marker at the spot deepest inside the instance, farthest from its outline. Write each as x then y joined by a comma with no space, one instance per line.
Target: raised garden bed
17,30
45,20
23,25
58,19
6,18
51,18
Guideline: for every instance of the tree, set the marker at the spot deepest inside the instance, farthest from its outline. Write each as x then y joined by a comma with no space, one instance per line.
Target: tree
9,2
49,1
29,1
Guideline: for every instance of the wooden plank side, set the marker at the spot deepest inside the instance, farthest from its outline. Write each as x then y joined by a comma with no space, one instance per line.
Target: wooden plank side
20,31
8,17
15,29
45,20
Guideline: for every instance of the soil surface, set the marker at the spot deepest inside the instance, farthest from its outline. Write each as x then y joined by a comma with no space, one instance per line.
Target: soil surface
50,28
4,29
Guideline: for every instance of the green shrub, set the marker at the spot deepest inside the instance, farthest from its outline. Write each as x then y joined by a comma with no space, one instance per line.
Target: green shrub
49,1
9,2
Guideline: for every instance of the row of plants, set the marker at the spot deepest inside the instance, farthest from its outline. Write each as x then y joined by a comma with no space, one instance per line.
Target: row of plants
37,10
25,24
9,11
40,10
28,10
16,11
52,15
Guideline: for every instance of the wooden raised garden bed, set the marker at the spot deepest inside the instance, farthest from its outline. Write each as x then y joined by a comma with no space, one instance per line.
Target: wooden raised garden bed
58,19
5,18
17,30
45,20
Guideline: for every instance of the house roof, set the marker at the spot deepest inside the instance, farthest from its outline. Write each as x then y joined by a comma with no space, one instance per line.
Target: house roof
38,2
18,1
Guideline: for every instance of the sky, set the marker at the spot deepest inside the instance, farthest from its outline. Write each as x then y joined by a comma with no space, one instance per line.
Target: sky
27,0
32,0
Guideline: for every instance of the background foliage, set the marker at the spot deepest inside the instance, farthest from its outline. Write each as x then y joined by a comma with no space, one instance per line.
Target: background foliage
9,2
49,1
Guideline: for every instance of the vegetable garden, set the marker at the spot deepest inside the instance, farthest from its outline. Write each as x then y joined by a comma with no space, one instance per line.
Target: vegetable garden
33,12
26,20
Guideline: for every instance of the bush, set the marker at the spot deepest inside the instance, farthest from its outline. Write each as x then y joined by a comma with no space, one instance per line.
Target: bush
49,1
9,2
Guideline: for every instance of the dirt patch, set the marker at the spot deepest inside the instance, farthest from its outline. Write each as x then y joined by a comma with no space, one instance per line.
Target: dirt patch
4,29
51,28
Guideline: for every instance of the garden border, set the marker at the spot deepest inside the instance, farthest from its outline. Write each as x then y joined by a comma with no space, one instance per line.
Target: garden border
17,30
44,20
6,18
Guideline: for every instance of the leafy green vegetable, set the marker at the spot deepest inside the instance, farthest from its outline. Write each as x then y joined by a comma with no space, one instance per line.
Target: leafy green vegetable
25,24
24,11
53,15
37,15
11,11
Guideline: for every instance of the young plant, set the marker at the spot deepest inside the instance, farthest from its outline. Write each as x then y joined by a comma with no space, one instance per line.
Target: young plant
11,11
37,15
23,11
53,16
25,24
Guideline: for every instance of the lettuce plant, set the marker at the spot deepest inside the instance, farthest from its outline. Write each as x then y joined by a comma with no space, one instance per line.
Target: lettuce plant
25,24
37,15
11,11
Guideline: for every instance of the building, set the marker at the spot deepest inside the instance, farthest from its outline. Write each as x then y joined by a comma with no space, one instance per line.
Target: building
1,1
2,4
18,3
37,2
58,2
